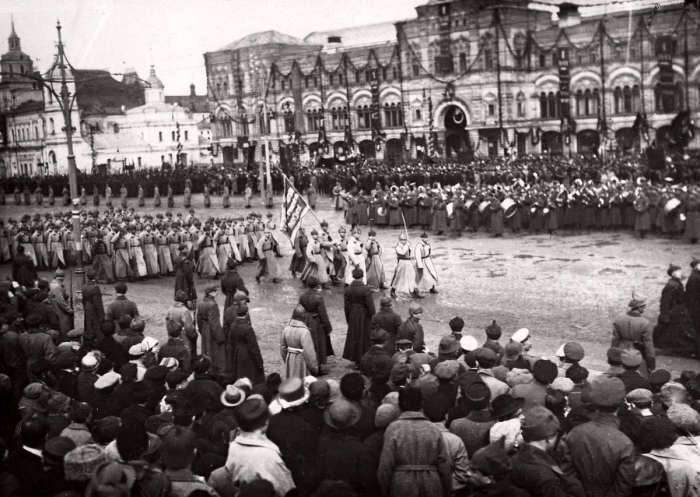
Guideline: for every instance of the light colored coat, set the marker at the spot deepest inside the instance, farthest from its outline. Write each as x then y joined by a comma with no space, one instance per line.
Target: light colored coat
252,456
297,350
414,461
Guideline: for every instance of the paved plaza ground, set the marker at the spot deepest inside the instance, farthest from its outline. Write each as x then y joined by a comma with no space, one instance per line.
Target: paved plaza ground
562,287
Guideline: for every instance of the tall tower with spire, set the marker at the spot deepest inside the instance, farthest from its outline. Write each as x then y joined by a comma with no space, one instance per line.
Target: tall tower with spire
17,69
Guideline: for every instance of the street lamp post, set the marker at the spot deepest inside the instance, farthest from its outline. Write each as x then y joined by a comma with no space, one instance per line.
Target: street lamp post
262,88
66,105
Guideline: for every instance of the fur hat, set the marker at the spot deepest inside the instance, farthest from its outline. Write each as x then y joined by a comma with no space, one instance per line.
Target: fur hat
544,371
685,418
80,463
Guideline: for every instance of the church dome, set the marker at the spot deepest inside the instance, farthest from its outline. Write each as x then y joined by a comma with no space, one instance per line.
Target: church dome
153,80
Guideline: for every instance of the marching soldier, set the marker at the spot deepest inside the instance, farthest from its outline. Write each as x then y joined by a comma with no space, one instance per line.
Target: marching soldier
226,197
38,196
171,197
404,280
156,196
642,219
122,194
207,197
426,275
140,196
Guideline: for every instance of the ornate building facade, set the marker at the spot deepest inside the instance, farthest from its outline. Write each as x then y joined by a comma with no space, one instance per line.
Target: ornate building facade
463,78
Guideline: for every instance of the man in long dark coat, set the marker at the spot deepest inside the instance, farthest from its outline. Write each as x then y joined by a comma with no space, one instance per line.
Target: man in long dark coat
93,309
674,330
209,326
23,269
388,320
692,298
243,357
184,274
359,309
231,282
317,319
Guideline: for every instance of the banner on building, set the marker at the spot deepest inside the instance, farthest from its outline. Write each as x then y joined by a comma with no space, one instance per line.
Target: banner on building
294,210
564,83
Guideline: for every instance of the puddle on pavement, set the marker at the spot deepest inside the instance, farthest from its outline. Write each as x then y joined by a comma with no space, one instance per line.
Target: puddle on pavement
526,256
634,265
608,270
496,274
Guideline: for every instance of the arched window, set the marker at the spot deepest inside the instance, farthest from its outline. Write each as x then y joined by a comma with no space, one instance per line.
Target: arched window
521,104
52,128
364,117
551,105
635,98
627,99
314,119
338,117
587,103
393,117
543,105
617,99
595,101
579,103
462,62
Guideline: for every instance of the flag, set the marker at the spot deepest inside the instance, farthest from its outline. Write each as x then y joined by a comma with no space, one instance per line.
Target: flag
295,208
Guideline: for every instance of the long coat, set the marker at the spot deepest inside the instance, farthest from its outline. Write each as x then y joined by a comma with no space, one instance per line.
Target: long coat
94,311
213,338
414,460
184,277
633,331
318,323
674,329
692,298
359,309
342,456
297,350
243,358
230,282
23,270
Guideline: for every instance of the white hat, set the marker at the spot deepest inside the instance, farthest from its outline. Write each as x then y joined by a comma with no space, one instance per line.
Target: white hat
468,343
89,361
137,350
560,352
110,378
232,396
150,344
520,335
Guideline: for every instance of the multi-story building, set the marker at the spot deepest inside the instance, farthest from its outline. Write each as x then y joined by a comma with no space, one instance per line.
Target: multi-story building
463,77
116,124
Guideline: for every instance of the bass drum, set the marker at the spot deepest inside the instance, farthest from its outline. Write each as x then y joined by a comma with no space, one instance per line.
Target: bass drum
381,211
469,204
509,207
671,205
483,206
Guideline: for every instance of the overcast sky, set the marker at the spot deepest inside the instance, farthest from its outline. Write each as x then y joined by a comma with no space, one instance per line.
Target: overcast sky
173,34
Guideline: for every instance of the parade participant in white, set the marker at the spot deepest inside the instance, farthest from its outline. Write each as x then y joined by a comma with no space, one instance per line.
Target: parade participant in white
427,279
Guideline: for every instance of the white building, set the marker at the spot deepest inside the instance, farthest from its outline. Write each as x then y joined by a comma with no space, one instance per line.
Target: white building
115,123
154,133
